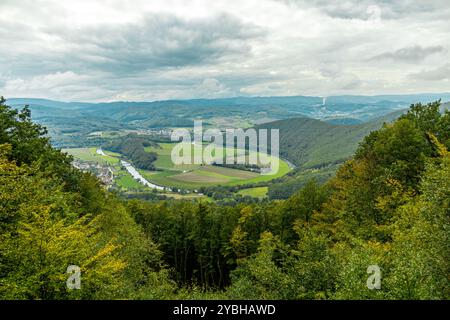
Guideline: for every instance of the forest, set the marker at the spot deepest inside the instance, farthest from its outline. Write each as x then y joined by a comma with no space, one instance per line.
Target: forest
133,146
388,206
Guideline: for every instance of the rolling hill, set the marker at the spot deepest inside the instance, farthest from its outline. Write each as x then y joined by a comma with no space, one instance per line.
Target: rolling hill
311,143
317,148
72,123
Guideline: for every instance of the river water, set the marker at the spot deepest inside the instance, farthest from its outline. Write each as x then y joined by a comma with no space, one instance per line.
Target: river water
100,152
136,175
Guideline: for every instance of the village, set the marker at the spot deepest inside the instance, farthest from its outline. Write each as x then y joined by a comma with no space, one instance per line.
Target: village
103,172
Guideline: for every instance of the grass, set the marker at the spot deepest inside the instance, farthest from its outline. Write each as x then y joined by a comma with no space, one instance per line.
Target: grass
233,173
213,175
196,175
282,170
200,177
258,192
189,196
112,154
84,154
164,160
91,155
203,176
126,181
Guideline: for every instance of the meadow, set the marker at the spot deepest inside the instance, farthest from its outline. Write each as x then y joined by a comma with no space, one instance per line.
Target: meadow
90,155
257,192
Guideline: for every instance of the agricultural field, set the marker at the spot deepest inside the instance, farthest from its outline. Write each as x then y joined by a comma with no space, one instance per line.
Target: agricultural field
198,175
181,176
258,192
126,181
91,155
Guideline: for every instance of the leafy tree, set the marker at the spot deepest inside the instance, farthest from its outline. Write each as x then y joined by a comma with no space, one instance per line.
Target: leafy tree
259,276
353,259
388,206
42,240
421,237
301,206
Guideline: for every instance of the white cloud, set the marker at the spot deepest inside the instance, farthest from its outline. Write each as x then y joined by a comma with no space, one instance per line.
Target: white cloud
442,73
146,50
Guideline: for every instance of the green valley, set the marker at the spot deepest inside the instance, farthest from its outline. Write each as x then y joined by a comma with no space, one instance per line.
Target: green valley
247,159
167,174
391,196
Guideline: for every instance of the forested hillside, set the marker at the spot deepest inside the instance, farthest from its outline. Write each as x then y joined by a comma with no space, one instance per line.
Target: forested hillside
71,124
132,146
312,143
318,148
388,206
53,216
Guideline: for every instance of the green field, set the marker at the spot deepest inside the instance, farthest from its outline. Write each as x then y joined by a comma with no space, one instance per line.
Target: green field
198,175
126,181
258,192
91,155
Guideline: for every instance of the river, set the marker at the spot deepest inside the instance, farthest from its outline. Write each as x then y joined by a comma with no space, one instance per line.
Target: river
136,175
100,152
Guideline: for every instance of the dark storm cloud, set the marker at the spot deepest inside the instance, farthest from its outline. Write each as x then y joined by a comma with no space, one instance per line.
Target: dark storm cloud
409,54
158,41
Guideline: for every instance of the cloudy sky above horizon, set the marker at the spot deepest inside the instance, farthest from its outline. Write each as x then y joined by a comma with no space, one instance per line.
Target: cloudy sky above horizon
139,50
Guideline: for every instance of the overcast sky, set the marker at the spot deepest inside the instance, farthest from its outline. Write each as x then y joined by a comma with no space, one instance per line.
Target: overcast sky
106,50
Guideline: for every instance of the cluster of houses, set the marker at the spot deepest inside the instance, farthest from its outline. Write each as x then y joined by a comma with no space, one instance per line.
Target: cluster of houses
103,172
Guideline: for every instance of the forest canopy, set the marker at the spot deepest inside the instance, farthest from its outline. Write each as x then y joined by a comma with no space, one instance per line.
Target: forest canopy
388,206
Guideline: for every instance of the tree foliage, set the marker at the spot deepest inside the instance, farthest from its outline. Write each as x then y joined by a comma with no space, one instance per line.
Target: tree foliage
388,206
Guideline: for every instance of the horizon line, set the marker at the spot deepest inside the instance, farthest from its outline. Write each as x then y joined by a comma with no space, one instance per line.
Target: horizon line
233,97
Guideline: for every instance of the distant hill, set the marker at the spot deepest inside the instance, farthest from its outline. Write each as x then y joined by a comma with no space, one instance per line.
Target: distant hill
71,123
344,121
311,143
254,110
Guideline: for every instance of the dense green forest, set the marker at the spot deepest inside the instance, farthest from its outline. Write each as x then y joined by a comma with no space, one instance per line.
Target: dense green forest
388,206
133,146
